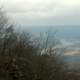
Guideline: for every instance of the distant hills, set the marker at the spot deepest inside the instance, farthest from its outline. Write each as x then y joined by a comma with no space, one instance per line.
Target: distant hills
67,32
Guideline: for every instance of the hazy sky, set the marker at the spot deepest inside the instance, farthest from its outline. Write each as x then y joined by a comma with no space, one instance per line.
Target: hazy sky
44,12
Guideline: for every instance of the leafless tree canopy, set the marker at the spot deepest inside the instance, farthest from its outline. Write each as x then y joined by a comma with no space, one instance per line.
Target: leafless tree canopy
21,58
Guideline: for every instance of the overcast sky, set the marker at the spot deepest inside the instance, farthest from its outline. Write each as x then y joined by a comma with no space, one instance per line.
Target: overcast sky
43,12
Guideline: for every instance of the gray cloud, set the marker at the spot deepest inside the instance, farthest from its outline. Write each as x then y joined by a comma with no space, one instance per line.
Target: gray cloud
44,12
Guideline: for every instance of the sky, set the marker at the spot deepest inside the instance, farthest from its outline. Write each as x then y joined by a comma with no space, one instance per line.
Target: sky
43,12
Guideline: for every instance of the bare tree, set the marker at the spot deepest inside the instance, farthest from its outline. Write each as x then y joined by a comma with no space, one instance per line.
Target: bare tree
7,34
22,58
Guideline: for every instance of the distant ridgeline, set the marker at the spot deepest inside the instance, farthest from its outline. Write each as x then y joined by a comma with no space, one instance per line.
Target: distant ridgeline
70,32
